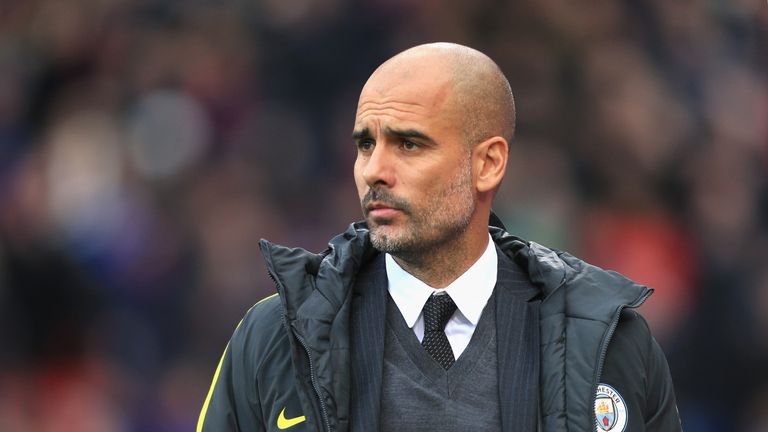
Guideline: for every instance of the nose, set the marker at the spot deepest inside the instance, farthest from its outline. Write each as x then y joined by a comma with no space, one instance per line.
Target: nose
379,167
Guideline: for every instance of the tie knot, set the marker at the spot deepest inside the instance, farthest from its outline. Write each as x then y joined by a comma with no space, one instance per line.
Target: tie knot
437,311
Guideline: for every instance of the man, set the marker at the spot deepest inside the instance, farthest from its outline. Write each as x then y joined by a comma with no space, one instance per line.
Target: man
424,317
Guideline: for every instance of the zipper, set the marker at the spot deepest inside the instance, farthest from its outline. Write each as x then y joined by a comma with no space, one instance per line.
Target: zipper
312,376
315,385
606,341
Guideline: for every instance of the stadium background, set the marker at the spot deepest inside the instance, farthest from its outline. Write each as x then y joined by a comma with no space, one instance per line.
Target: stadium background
146,146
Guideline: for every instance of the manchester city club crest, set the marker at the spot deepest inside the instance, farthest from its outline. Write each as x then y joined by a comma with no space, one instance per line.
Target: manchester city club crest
610,410
605,411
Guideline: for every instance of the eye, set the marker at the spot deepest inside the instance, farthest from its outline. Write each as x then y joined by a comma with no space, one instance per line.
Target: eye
409,145
365,145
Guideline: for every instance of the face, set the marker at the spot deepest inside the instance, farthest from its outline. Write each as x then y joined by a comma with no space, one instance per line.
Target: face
413,169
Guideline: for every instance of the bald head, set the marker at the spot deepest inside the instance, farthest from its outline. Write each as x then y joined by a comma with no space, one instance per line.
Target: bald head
476,92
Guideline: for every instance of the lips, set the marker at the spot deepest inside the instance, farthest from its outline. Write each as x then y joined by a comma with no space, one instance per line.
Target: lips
381,210
382,205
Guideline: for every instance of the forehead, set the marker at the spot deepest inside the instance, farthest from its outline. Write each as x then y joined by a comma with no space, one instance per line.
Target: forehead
405,94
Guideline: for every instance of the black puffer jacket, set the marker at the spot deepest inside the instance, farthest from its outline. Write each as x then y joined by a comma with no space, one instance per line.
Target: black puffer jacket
287,364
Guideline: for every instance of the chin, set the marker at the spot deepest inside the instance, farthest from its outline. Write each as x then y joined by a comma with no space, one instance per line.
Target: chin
383,230
385,238
379,223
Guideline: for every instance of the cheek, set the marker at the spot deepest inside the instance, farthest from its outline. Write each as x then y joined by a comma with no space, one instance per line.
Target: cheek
362,187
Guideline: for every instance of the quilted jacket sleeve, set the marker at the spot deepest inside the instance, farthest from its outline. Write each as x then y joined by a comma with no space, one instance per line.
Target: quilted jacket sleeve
661,409
232,403
636,369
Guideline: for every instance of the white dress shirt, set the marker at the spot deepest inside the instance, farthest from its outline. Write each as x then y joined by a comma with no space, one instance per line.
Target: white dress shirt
470,292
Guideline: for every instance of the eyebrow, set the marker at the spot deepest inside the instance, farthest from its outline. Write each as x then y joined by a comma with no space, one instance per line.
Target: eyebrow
400,133
407,133
361,134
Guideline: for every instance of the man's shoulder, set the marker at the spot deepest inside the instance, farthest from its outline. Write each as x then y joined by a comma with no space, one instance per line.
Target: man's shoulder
260,329
263,311
571,285
599,294
263,316
633,332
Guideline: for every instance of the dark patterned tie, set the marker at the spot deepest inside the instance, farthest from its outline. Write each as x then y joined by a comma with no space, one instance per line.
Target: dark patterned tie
437,312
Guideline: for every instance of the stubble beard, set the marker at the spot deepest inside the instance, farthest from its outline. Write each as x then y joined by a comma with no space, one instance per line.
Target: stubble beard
432,226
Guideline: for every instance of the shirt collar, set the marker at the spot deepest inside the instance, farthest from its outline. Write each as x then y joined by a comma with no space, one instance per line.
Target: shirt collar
470,291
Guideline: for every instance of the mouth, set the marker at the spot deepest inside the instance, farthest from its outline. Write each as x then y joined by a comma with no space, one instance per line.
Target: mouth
381,210
380,206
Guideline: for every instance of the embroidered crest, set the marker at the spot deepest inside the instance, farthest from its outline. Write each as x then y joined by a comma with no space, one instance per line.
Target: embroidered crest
610,410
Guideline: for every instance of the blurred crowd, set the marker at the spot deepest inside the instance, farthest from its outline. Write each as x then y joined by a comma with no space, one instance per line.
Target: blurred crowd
147,145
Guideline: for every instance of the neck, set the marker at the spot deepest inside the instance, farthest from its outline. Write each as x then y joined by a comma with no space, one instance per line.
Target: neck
444,263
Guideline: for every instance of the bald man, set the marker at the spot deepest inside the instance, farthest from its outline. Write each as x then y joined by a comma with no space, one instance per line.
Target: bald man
425,316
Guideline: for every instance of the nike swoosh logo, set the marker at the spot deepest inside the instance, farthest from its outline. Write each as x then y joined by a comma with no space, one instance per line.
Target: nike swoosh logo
284,423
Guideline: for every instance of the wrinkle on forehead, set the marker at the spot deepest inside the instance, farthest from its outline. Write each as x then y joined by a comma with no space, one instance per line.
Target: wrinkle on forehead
422,95
386,110
389,103
453,81
392,107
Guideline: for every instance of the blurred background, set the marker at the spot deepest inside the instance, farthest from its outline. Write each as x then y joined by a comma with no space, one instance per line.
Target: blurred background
146,146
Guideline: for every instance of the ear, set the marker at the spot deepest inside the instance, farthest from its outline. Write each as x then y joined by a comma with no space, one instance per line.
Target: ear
490,161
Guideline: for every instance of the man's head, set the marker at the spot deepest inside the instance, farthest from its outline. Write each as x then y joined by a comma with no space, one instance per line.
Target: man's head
432,131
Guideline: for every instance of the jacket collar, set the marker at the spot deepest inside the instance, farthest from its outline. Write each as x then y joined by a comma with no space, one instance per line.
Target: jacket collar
316,291
330,274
